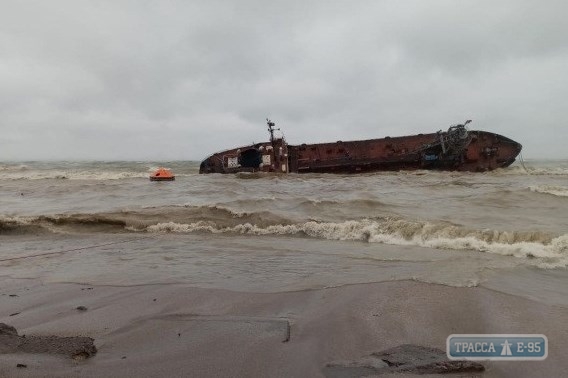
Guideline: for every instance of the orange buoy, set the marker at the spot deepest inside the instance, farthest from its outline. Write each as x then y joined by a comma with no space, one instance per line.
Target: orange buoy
162,174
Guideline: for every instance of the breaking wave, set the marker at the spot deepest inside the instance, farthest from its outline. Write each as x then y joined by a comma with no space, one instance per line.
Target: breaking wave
101,172
308,204
58,224
125,221
559,191
544,249
551,251
537,171
80,175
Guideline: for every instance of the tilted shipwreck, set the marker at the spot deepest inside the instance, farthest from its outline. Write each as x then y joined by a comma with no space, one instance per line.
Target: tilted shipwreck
457,149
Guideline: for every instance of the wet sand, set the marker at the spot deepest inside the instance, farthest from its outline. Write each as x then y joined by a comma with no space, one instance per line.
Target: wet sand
178,330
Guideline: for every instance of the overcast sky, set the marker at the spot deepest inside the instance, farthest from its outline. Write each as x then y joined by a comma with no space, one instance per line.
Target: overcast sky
167,80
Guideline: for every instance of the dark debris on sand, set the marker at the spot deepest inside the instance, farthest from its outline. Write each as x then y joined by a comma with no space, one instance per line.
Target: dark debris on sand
77,347
408,358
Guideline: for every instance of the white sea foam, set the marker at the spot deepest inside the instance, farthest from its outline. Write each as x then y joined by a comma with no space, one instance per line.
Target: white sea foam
559,171
559,191
12,167
547,251
71,175
17,220
530,170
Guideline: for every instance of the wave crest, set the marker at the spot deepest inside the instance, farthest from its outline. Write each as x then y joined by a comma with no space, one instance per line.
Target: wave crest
552,251
558,191
545,248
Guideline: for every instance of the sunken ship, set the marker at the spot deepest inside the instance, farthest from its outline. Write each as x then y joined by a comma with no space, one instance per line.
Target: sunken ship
457,149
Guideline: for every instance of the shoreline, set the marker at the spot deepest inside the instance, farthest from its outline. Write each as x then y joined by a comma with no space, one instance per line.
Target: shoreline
178,329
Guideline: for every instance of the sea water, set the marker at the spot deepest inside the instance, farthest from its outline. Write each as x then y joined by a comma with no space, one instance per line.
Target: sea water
106,223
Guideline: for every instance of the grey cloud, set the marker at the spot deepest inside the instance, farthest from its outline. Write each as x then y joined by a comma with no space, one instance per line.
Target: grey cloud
106,80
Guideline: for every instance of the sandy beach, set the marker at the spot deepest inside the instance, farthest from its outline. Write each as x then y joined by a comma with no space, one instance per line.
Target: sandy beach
177,330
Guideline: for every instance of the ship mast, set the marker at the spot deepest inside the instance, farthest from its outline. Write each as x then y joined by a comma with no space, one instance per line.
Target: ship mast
271,129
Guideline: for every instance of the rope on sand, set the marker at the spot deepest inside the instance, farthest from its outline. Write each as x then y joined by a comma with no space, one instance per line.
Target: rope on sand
72,250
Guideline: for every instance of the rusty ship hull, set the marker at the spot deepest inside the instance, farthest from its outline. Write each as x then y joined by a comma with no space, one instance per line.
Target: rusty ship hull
457,149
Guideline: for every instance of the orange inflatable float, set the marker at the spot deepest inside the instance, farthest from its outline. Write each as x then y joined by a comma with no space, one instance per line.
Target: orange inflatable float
162,174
